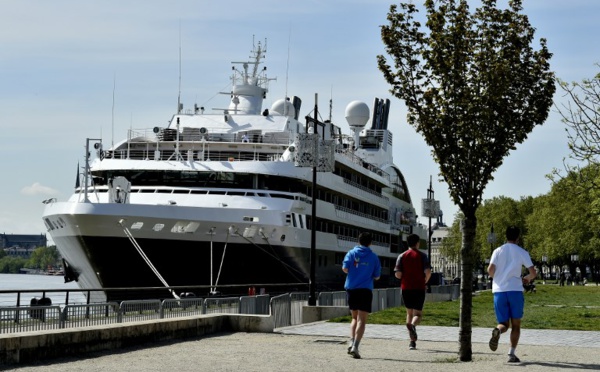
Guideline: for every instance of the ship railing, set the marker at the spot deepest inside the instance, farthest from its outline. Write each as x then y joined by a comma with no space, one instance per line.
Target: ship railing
187,134
352,157
347,212
382,199
197,154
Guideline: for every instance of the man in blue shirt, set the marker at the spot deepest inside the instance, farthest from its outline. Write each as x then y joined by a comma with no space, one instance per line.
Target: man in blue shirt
363,267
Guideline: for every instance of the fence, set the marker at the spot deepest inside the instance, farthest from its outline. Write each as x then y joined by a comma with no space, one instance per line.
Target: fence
285,309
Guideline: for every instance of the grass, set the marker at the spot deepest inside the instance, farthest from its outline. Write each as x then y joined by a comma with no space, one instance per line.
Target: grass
551,307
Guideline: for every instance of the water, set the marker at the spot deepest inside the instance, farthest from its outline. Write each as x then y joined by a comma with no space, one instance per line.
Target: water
29,281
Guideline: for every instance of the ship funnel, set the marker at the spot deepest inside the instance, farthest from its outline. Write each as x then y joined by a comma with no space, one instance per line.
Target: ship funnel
357,115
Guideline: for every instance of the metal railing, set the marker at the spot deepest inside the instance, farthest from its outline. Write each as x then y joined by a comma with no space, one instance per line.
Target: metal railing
285,309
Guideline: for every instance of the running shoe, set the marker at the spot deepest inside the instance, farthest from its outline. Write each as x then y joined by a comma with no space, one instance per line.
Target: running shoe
512,358
354,353
412,331
412,345
494,339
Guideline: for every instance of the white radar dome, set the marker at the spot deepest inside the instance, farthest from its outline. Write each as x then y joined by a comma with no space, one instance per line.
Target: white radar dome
283,107
357,114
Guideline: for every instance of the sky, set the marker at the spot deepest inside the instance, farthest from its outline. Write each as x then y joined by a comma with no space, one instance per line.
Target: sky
71,70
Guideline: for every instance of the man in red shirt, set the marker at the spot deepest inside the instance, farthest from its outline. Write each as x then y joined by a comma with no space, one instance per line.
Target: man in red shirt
413,270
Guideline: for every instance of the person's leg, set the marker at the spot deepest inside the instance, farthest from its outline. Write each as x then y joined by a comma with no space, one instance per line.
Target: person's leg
502,312
517,304
417,311
353,324
515,334
361,323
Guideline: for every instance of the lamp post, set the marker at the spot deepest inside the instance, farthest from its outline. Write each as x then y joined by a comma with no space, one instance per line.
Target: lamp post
318,154
575,260
429,208
544,261
491,238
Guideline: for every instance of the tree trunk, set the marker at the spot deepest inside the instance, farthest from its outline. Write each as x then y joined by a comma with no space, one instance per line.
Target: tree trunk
468,226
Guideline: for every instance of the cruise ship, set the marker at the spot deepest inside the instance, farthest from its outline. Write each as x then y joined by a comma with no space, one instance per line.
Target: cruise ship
235,197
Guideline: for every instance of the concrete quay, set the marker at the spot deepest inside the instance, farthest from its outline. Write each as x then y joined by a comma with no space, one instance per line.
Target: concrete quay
323,346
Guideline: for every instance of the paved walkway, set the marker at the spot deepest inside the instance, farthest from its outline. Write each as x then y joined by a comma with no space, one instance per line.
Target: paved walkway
450,334
322,347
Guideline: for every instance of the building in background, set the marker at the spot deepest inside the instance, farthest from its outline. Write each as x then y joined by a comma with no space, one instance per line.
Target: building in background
21,245
449,268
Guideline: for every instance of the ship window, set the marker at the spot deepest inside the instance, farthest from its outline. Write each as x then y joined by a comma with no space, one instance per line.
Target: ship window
250,219
183,227
158,227
264,195
301,220
203,192
236,193
137,225
48,224
149,191
283,196
164,191
213,192
288,219
181,191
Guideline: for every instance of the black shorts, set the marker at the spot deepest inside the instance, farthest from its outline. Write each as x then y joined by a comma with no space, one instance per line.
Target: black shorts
413,298
360,299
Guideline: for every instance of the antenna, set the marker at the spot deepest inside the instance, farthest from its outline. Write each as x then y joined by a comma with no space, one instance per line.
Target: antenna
179,95
330,103
287,69
112,139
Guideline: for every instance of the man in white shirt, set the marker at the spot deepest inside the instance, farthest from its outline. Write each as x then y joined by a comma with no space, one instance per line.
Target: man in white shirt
509,301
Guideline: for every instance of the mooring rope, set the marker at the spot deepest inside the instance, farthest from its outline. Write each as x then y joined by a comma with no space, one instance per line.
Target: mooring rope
139,249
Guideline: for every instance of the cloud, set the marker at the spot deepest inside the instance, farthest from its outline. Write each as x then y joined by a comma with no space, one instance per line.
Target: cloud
38,189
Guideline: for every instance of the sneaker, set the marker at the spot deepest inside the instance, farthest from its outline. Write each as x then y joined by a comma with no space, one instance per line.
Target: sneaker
412,331
412,345
494,339
512,358
354,353
349,349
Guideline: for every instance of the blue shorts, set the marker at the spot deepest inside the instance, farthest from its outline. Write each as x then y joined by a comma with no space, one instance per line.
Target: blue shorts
509,305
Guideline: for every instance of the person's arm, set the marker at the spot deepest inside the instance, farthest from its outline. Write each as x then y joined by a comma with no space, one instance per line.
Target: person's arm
491,270
398,274
377,272
427,275
345,269
531,276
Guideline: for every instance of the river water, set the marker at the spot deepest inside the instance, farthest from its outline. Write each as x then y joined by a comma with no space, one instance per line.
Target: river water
31,281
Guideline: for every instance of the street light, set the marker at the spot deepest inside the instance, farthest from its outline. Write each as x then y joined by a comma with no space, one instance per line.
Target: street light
544,266
317,153
430,208
491,238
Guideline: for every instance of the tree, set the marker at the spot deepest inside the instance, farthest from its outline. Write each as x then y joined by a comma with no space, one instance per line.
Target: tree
581,114
43,257
474,88
565,222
